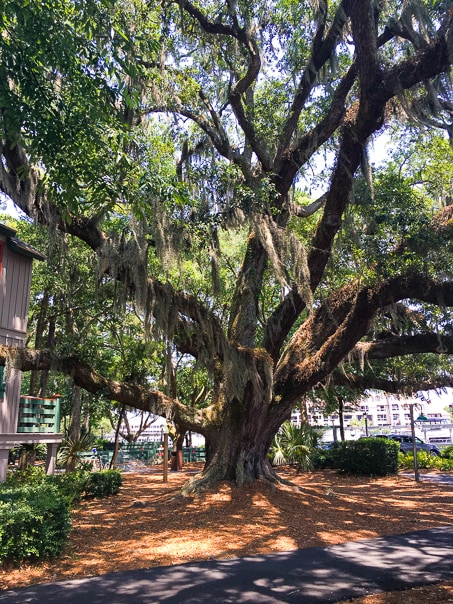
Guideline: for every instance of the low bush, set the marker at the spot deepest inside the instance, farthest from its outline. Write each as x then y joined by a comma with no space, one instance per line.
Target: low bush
34,521
367,456
325,458
425,461
103,484
72,485
35,509
445,464
33,475
447,452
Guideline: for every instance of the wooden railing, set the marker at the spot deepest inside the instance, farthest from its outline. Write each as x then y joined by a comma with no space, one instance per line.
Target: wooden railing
39,414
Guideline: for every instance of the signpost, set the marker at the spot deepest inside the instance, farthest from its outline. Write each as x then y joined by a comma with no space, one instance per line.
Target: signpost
420,418
414,446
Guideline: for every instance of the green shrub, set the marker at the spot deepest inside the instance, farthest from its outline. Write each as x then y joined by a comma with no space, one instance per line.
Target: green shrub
71,485
325,458
32,475
34,521
445,464
367,456
427,461
447,452
104,483
35,509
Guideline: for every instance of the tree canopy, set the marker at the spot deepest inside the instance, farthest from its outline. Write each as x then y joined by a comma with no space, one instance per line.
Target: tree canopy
215,157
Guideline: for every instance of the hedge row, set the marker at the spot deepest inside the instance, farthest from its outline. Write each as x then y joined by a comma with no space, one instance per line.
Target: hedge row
378,457
367,456
35,509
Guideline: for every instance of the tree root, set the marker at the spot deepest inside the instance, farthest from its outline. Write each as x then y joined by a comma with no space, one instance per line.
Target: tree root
211,476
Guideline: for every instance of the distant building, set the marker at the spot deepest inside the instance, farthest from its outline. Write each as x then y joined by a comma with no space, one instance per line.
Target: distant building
154,432
384,412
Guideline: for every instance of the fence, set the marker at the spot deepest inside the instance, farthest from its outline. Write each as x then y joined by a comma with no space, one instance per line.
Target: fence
39,415
152,452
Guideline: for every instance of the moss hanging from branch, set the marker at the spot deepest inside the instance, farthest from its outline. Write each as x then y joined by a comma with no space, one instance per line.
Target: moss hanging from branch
287,256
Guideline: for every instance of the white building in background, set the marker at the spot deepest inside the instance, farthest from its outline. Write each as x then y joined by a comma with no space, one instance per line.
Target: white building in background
381,412
154,432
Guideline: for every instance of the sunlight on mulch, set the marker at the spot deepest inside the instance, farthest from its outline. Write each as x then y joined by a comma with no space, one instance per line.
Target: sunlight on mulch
150,524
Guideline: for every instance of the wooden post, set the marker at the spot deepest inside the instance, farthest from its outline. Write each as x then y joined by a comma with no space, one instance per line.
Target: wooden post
166,456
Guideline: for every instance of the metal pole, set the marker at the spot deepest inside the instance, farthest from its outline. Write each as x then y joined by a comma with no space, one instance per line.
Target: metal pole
366,424
165,456
414,446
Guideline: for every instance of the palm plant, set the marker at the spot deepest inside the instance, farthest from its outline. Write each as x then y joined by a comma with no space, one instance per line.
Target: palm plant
29,453
295,446
69,453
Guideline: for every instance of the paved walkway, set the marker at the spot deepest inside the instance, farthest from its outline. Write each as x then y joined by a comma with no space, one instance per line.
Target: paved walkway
431,477
309,576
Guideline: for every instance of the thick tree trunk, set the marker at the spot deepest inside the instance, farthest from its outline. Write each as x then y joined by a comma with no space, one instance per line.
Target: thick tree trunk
237,449
239,440
75,422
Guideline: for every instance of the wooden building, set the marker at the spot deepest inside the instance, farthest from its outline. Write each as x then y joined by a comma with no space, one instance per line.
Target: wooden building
28,420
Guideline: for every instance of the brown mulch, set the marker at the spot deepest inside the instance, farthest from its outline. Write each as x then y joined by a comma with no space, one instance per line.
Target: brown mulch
149,524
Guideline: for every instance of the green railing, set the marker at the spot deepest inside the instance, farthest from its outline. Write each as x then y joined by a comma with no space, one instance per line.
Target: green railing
2,384
194,454
39,414
153,452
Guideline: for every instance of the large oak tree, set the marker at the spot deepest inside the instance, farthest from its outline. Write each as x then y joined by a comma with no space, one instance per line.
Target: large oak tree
249,98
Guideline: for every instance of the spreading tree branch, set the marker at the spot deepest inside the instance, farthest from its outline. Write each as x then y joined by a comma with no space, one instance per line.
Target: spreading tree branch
127,393
333,330
360,123
393,346
370,382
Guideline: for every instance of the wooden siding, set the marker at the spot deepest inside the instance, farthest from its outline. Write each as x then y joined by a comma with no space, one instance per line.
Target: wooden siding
9,408
15,279
14,293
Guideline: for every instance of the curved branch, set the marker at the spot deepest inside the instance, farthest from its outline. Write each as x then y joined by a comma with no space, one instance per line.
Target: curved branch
321,52
216,134
209,27
84,376
244,36
130,394
370,382
431,60
394,346
333,330
312,208
22,183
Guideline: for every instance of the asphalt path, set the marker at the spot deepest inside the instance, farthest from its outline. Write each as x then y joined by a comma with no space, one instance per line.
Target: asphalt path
431,477
311,576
